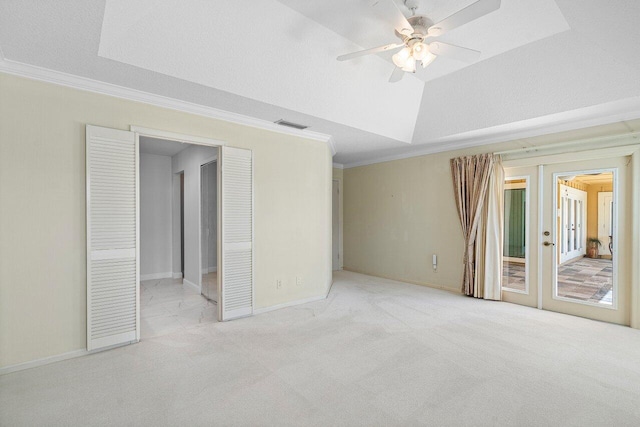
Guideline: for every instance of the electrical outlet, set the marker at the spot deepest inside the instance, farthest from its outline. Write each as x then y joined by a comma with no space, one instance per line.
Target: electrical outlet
298,280
278,284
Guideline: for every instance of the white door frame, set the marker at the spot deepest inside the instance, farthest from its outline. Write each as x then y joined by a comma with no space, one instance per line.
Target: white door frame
336,182
187,139
202,163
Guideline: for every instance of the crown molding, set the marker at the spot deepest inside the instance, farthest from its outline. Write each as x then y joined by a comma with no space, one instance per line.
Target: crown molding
597,115
82,83
338,166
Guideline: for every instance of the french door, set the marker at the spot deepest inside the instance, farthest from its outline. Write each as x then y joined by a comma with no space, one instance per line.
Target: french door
561,271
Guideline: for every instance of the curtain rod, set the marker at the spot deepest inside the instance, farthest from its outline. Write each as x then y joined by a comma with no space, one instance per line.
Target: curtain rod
534,148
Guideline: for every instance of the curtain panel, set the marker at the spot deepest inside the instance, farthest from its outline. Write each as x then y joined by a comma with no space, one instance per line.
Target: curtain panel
478,183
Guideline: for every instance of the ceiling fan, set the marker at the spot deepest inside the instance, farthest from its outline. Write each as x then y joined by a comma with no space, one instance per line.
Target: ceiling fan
415,34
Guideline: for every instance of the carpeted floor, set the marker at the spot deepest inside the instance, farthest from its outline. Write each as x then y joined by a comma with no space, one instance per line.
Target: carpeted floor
374,353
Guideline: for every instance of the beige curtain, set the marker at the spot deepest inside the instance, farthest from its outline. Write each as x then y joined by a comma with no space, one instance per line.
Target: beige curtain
489,238
471,175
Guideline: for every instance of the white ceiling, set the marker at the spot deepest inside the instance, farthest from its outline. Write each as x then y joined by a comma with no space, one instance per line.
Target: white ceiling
515,24
595,179
547,65
161,147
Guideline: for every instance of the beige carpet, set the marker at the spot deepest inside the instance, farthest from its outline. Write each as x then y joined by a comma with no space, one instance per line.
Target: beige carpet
376,352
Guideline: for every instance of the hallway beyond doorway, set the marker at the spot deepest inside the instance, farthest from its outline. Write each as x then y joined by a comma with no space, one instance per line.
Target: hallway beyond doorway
168,306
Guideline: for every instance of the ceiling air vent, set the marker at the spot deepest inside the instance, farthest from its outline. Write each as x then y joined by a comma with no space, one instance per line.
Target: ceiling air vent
282,122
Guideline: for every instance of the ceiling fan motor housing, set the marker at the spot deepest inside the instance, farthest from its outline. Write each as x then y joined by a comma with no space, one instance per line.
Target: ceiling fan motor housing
420,24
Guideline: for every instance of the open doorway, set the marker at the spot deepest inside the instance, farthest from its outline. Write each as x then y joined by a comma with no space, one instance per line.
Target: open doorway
178,236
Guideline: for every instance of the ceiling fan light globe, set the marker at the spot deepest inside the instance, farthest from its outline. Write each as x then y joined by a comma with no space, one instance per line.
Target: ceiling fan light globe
398,61
410,65
420,51
401,58
428,59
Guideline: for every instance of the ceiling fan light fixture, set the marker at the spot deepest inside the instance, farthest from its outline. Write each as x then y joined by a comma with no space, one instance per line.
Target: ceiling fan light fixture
410,65
420,51
428,59
401,58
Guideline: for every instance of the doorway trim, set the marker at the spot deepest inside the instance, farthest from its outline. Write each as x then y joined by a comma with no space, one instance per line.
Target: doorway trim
179,137
338,183
203,163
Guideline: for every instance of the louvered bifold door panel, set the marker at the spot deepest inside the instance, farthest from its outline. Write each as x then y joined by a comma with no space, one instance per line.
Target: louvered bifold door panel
112,235
237,233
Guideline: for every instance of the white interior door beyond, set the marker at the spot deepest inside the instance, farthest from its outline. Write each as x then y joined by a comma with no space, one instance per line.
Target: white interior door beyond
605,220
236,257
573,220
113,315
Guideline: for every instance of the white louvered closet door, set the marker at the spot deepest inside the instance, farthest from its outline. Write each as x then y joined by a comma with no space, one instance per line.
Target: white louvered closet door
113,315
236,299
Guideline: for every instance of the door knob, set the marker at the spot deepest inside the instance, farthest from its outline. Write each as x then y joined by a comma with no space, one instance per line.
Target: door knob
549,244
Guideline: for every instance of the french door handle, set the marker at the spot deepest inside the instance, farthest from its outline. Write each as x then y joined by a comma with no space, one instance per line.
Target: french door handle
548,244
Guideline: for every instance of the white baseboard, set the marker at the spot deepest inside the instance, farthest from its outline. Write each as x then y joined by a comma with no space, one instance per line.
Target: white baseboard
193,285
156,276
209,270
58,358
177,275
43,361
288,304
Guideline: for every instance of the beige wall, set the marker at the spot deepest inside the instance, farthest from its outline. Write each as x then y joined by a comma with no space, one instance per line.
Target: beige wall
398,213
338,175
42,209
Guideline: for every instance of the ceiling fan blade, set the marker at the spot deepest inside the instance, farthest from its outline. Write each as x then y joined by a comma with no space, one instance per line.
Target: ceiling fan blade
386,47
388,9
463,16
397,75
453,51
